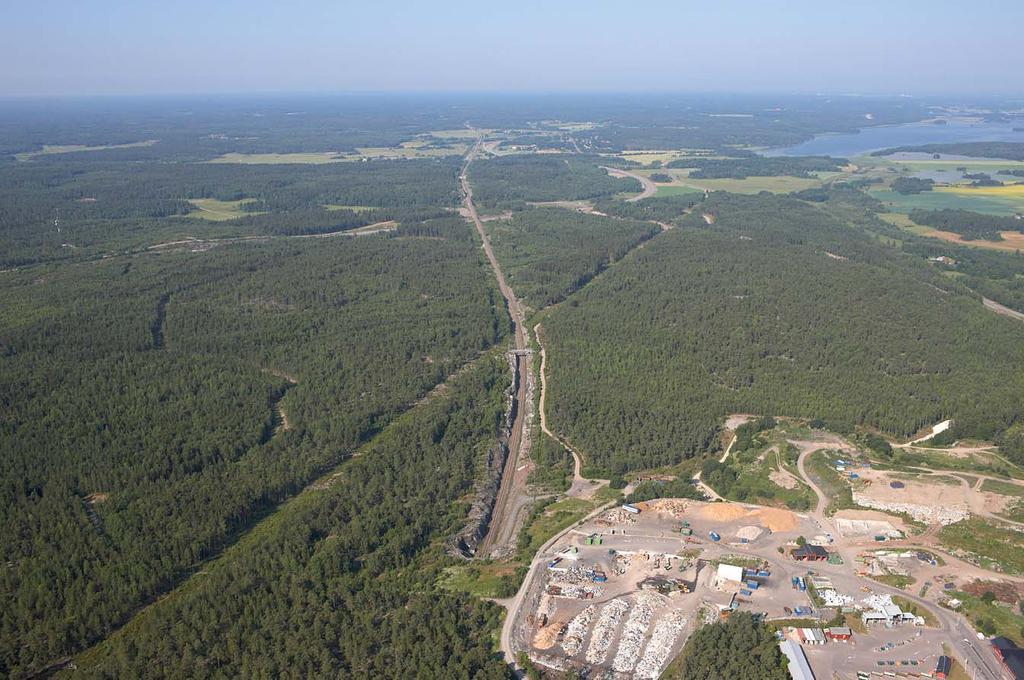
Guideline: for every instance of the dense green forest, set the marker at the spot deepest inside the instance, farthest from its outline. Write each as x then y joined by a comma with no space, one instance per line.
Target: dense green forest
222,453
740,648
668,209
79,208
548,253
912,185
509,180
776,308
970,225
758,166
341,581
138,389
1013,151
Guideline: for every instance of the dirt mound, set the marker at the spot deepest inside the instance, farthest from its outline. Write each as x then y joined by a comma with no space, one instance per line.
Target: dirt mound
723,512
670,506
547,637
776,519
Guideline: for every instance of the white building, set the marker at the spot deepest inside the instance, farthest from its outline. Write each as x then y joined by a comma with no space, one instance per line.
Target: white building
799,669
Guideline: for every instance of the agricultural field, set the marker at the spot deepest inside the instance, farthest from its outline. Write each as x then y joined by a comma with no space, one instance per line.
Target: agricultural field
220,211
783,184
50,149
306,158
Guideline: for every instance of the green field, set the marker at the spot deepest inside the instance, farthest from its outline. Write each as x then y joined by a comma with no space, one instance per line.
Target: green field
49,149
314,158
484,579
751,185
676,190
937,200
220,211
993,546
1004,488
331,207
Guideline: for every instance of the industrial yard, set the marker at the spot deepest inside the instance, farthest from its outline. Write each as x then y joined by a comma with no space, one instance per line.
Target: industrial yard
618,595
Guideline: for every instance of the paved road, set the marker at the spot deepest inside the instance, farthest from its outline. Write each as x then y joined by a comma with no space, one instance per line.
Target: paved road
514,632
967,646
1000,309
649,188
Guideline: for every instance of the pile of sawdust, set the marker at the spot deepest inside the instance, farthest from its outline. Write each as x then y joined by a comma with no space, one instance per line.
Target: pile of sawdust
776,519
547,637
723,512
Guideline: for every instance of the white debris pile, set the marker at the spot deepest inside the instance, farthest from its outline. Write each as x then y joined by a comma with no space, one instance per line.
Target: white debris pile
658,649
833,598
579,592
632,639
558,663
577,630
604,630
878,602
616,516
750,533
928,514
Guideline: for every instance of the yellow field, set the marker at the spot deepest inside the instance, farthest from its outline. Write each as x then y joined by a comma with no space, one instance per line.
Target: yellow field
1012,240
411,149
73,148
1007,191
220,211
650,155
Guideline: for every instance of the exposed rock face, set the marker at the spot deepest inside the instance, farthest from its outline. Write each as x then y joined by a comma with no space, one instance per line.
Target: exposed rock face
464,543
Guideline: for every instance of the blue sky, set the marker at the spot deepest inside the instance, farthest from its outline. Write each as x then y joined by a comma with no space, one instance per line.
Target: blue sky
186,46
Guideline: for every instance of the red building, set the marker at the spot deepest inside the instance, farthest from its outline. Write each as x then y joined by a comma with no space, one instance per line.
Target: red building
839,633
810,553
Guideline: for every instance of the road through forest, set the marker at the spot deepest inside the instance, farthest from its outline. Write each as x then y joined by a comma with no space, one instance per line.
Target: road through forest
512,501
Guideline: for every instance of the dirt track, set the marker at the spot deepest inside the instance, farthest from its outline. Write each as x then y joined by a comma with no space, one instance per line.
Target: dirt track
581,487
1000,309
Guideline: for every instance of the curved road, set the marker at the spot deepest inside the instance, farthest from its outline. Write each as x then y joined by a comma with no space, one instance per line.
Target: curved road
581,487
969,648
649,188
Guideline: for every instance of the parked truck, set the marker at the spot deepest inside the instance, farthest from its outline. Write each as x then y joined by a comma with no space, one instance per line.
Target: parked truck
714,536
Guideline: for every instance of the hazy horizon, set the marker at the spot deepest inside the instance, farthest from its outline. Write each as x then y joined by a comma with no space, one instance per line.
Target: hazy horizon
61,48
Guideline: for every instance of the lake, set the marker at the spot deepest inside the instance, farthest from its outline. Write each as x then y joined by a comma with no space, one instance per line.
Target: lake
912,134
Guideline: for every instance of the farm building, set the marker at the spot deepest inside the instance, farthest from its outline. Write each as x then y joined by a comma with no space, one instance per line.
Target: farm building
799,669
810,553
839,633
